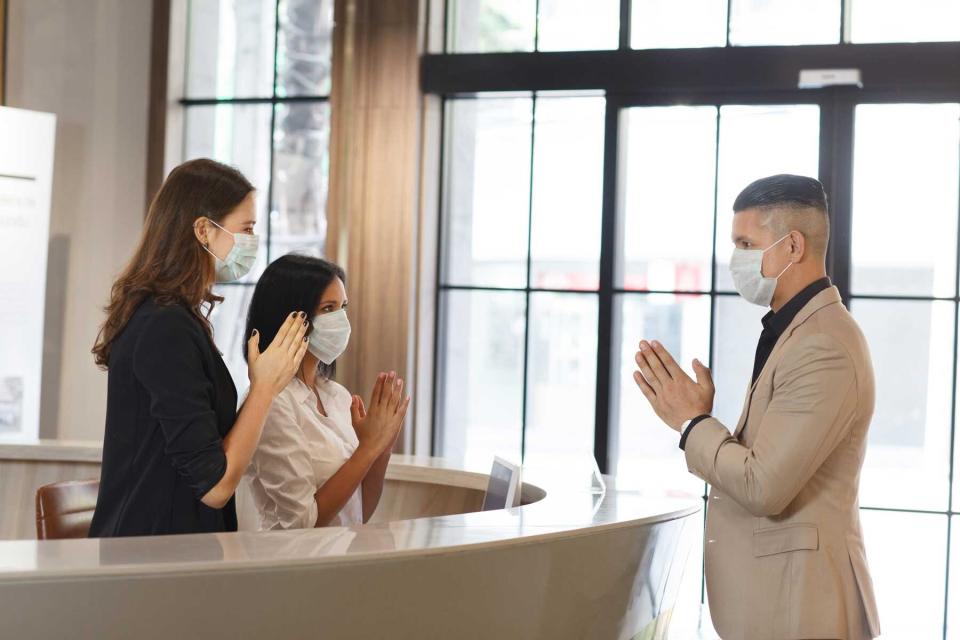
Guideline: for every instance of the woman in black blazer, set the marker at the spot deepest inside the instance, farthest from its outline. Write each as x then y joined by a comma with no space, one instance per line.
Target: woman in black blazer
175,446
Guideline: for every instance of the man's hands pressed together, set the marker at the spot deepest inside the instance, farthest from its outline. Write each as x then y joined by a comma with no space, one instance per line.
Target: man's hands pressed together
674,396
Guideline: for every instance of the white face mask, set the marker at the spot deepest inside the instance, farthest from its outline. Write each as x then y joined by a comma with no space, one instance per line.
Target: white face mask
330,336
746,267
240,259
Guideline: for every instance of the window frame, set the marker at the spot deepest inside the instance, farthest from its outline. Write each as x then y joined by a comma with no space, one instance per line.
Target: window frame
177,105
891,72
274,100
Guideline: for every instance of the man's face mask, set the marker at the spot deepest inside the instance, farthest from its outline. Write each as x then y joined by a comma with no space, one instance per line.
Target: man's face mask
746,268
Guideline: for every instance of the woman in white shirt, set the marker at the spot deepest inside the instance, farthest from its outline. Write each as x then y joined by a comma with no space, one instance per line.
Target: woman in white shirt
322,455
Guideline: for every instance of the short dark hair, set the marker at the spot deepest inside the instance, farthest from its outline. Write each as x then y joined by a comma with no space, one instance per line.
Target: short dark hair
782,190
290,283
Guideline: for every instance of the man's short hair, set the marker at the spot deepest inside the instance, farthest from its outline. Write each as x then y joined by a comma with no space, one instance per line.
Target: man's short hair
790,203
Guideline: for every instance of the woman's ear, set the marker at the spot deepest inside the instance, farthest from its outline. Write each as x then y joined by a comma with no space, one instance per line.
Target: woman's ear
200,231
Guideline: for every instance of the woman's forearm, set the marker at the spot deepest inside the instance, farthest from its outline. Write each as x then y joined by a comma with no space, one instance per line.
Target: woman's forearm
239,446
335,492
373,484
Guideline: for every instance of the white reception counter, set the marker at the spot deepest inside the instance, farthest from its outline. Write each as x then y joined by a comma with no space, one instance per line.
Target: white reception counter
572,562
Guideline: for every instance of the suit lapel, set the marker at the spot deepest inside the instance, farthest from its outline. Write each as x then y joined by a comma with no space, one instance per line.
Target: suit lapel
828,296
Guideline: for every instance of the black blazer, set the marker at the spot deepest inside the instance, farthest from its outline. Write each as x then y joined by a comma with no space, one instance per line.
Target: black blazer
170,403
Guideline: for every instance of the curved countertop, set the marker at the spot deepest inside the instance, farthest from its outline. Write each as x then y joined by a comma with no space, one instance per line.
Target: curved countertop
579,559
566,512
52,451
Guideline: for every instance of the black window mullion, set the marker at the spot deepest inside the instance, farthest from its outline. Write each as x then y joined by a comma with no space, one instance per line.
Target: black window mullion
828,157
199,102
536,26
901,70
714,302
844,16
608,258
273,125
729,9
480,287
713,251
953,430
439,376
836,174
626,7
526,308
446,25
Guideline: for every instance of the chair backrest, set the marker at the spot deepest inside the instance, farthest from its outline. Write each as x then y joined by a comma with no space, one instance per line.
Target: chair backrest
65,509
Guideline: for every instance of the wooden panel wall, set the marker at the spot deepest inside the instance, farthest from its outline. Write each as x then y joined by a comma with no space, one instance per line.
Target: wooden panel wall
374,159
3,51
157,120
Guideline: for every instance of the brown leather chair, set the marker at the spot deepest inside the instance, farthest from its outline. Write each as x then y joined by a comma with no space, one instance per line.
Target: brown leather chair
65,509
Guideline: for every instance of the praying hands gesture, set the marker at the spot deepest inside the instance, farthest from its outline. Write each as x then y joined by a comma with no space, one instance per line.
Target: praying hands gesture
674,396
380,426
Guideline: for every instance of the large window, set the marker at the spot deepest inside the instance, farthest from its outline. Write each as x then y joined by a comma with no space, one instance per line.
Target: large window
586,203
520,275
257,97
486,26
683,166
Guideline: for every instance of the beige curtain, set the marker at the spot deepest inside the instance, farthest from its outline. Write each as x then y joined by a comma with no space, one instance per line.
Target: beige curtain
3,51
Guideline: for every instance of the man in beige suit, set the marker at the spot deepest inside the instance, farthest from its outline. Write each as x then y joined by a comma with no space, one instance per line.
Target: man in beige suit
784,550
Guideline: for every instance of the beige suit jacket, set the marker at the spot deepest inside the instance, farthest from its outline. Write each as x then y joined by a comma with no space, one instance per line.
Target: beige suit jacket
784,550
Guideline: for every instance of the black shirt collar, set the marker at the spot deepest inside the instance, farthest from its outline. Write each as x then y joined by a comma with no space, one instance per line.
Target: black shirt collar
779,321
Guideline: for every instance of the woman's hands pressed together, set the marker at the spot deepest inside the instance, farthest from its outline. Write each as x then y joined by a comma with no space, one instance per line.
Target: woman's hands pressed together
271,369
379,426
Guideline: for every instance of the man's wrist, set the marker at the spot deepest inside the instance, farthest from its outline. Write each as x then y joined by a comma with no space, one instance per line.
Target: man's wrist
688,426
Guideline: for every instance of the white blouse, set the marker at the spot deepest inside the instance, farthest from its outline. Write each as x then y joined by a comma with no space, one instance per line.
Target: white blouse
299,450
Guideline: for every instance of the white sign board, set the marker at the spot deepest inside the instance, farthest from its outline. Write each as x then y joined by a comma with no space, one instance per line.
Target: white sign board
26,173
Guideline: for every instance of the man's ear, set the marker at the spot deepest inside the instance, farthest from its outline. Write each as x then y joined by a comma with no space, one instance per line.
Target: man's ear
798,246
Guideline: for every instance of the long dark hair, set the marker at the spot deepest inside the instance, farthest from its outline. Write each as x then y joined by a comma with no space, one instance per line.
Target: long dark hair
290,283
169,263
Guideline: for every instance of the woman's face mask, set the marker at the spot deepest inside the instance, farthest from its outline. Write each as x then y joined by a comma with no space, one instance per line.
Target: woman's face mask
330,336
240,259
